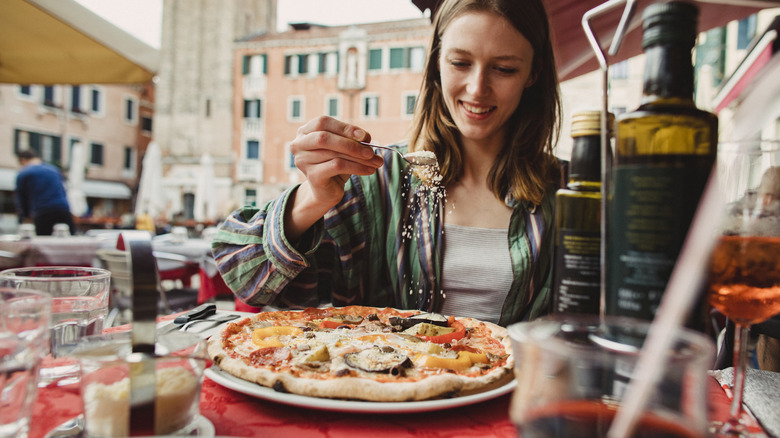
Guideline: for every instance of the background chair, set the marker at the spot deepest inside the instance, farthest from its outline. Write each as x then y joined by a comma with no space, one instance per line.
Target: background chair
171,300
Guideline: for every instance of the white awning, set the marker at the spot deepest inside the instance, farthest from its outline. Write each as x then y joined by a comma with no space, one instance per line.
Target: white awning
106,189
92,188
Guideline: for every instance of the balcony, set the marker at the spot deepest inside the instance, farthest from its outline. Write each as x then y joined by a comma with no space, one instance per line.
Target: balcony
253,128
254,86
249,170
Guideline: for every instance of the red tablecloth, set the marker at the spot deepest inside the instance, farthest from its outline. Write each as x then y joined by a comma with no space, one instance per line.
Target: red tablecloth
238,415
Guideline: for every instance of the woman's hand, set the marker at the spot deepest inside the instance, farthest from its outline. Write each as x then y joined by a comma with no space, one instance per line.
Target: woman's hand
327,151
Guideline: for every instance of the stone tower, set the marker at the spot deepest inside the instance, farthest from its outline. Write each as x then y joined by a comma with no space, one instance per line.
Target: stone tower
194,90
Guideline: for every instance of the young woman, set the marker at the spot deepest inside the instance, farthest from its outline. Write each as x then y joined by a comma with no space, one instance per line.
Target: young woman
363,229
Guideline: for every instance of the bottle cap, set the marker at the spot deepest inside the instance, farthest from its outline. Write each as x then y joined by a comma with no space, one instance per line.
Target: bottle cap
673,22
588,122
585,162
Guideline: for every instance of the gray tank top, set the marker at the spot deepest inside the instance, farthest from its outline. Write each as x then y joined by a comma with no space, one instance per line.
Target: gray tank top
477,271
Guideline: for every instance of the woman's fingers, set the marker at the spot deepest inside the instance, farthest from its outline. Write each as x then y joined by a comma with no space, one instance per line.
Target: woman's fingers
327,140
335,136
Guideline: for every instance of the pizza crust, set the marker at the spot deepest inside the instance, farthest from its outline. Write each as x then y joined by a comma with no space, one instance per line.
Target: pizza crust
443,385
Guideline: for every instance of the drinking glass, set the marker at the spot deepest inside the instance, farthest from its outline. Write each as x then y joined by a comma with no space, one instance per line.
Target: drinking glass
24,340
572,375
78,308
744,278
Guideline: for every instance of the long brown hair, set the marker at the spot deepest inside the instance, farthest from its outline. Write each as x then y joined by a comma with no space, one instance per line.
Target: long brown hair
525,165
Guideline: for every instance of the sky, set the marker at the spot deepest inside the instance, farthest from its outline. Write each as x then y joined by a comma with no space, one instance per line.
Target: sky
143,18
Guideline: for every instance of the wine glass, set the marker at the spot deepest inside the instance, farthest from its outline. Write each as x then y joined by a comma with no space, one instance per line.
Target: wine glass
744,280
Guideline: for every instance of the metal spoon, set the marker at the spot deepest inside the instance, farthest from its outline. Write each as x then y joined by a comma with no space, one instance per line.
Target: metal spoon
411,157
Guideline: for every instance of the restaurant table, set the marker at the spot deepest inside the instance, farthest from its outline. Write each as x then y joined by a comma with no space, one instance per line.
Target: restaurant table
53,251
239,415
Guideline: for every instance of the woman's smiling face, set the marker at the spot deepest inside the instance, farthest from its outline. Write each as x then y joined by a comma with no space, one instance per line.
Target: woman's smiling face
485,65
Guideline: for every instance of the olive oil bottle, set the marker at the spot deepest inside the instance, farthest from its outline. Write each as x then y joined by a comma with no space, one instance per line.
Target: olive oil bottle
577,269
664,152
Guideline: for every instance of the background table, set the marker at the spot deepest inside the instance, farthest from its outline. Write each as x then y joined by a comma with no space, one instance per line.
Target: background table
53,251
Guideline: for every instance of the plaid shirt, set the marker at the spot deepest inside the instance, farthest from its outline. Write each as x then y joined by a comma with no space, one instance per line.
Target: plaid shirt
380,246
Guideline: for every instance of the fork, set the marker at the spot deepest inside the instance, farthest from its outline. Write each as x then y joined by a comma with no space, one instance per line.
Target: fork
219,319
410,157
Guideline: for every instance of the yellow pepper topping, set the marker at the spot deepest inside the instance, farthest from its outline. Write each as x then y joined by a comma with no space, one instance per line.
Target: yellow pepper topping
269,336
464,361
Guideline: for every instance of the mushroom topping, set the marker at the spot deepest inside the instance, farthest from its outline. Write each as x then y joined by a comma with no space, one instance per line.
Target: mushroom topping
430,318
378,360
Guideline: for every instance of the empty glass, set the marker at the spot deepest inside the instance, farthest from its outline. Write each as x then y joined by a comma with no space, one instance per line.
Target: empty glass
24,340
78,308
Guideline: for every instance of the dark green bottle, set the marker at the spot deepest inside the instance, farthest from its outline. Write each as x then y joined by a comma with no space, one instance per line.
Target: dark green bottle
664,152
577,269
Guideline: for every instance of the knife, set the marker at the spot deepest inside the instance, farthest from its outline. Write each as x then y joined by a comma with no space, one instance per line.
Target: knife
201,312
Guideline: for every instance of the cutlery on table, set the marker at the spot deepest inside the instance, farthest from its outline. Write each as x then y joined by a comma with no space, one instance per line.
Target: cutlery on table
201,312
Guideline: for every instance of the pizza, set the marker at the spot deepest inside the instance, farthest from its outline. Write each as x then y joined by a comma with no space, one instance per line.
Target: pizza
365,353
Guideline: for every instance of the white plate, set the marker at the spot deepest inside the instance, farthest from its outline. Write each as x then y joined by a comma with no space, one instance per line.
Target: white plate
221,377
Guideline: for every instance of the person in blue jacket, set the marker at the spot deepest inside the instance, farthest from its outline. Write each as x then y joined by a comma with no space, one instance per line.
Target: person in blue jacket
40,195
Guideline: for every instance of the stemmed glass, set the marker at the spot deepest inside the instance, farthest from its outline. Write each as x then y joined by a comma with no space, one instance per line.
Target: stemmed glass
744,281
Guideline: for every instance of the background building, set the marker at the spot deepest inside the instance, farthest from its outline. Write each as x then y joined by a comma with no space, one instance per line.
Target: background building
231,88
366,74
112,122
194,94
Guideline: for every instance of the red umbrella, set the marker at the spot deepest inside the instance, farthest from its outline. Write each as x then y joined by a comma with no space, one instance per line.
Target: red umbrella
573,52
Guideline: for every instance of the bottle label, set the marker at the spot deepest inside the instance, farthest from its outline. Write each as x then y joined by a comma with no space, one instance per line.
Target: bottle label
577,272
650,212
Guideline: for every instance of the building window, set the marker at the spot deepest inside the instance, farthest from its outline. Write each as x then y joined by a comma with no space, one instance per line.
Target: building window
127,163
25,90
370,106
288,59
146,124
295,113
322,63
48,96
303,64
130,112
250,197
409,101
252,150
619,70
96,154
255,65
397,57
253,108
96,101
375,59
75,99
407,57
332,106
48,147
